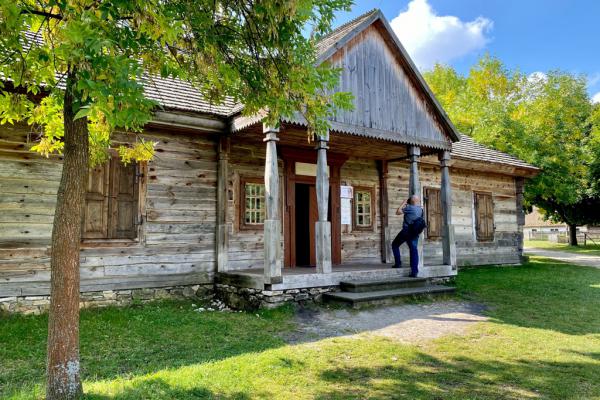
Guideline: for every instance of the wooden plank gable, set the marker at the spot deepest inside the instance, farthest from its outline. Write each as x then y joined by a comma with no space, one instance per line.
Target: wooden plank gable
385,98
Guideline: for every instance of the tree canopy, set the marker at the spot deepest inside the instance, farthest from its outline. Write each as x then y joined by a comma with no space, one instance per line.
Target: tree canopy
546,119
257,52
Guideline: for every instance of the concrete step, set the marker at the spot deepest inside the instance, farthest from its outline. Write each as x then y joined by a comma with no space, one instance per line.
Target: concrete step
358,286
382,297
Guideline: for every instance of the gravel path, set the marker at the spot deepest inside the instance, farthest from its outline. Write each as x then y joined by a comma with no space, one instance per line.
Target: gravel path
409,323
579,259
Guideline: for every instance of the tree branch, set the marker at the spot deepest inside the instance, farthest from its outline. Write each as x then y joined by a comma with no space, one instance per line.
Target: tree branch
42,13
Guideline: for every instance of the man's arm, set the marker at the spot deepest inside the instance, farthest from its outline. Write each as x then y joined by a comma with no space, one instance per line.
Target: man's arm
400,209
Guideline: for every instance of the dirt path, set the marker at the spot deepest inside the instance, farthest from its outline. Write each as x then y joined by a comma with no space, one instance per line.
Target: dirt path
409,323
579,259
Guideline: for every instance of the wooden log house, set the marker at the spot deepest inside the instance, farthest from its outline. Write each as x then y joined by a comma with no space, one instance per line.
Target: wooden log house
228,202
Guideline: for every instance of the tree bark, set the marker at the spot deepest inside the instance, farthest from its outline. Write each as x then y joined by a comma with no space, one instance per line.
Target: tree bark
63,379
573,235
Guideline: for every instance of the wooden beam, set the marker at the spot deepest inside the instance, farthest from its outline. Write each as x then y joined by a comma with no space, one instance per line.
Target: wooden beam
272,223
408,157
448,241
222,242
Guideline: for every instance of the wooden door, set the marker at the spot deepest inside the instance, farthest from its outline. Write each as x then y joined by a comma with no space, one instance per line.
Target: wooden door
313,217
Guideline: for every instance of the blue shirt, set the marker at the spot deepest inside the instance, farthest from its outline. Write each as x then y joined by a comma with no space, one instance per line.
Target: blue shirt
411,213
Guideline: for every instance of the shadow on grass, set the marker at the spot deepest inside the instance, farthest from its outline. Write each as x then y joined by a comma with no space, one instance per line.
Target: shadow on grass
542,293
136,340
427,377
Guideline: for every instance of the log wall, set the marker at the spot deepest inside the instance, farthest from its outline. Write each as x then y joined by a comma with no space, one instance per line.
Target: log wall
175,245
362,245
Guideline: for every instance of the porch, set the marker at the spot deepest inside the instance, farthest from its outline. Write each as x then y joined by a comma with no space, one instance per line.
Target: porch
298,232
307,277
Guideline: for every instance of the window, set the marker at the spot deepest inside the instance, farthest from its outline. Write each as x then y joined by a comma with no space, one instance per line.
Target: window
484,217
363,209
253,204
111,204
433,207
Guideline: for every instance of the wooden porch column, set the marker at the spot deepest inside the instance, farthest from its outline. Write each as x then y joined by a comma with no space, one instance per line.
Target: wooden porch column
322,226
222,188
414,184
448,242
386,245
414,188
272,223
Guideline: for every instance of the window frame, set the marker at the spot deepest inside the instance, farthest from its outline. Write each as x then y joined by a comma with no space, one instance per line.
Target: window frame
141,182
478,238
427,215
371,191
243,226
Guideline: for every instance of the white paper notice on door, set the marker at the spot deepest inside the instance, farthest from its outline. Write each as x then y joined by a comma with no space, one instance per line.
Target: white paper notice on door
346,211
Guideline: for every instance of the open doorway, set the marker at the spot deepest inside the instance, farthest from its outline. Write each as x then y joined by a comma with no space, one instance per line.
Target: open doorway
306,216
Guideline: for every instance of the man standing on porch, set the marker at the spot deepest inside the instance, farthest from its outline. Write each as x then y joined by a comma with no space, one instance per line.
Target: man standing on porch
412,211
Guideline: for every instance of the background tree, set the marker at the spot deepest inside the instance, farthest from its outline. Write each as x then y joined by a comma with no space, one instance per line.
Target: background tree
545,119
75,69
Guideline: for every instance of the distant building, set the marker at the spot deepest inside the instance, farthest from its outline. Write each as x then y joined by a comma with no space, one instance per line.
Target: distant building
536,227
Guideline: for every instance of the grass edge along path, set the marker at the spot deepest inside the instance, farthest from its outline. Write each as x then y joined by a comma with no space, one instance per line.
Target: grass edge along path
588,250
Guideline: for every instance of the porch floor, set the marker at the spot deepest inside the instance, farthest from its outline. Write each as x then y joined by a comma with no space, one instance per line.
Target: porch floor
307,277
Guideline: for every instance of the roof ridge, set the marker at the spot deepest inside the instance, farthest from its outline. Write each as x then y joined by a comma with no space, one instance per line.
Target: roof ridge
348,23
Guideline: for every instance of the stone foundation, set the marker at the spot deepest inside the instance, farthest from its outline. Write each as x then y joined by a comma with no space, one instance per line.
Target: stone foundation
241,298
40,304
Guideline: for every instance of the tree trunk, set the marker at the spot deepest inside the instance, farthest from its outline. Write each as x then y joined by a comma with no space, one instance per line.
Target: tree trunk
63,380
573,235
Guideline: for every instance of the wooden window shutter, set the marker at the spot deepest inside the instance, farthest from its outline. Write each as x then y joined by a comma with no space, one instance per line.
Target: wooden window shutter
95,215
434,213
123,205
484,216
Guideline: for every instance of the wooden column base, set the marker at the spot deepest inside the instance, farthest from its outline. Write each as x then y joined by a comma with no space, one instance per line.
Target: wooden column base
323,246
449,244
389,256
222,247
272,240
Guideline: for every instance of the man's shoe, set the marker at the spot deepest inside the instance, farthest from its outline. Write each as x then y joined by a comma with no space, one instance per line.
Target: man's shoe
397,266
411,275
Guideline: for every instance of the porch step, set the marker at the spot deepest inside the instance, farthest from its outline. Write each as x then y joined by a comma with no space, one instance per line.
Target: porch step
359,286
380,297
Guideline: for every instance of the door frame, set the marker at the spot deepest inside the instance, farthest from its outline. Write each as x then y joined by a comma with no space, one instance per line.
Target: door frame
335,161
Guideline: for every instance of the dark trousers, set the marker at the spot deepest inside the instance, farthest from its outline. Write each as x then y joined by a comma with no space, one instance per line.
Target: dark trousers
412,243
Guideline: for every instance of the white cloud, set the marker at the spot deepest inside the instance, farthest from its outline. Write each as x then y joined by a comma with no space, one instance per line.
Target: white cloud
596,98
431,38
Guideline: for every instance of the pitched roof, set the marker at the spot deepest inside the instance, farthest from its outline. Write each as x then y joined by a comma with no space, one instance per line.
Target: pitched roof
176,94
469,149
179,95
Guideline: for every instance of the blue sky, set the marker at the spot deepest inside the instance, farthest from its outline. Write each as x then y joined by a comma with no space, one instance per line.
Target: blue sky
532,35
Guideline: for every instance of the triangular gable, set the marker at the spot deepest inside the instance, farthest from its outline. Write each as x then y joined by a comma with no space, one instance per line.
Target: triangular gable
392,100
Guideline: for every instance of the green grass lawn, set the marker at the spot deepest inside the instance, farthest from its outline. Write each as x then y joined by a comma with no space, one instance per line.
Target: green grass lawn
589,249
542,341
